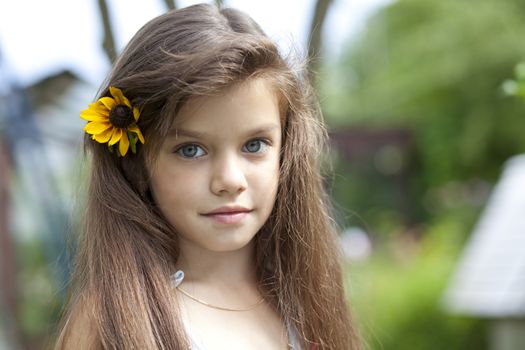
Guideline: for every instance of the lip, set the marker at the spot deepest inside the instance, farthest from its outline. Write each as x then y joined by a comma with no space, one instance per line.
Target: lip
228,209
228,214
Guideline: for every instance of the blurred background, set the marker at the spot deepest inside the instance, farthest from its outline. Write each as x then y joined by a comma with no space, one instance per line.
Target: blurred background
425,103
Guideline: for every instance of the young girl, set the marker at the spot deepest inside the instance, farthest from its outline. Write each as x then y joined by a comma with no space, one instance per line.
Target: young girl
206,224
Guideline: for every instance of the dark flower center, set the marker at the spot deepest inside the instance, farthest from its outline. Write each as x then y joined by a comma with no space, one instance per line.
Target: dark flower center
121,116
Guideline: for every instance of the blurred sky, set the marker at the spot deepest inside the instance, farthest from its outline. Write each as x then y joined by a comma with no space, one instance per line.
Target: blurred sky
38,38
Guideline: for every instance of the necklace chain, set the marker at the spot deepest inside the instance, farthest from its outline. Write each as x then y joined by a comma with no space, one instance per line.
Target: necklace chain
251,307
178,277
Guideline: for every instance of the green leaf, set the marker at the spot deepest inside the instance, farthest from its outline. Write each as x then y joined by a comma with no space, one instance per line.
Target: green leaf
520,71
132,141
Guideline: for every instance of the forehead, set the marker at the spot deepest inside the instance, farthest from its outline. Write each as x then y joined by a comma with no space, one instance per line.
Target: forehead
250,104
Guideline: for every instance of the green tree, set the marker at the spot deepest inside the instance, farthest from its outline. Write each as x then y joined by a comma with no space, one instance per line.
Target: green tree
436,67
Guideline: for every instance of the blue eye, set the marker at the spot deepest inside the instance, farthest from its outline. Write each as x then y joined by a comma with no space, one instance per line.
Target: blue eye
255,146
190,151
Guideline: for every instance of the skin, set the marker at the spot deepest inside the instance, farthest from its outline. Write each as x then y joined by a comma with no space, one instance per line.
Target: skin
223,151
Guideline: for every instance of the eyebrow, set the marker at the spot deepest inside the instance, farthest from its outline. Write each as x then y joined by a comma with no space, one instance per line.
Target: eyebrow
177,132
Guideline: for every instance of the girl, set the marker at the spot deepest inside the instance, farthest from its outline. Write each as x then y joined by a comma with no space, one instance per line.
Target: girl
206,224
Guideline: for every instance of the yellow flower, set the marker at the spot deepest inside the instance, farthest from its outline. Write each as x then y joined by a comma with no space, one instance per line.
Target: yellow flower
113,120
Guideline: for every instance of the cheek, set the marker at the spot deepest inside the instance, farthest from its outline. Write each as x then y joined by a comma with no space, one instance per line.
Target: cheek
175,190
266,181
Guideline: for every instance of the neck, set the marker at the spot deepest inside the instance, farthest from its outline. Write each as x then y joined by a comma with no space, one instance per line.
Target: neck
229,270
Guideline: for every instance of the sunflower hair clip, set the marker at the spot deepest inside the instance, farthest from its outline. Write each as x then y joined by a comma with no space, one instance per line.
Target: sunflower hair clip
113,120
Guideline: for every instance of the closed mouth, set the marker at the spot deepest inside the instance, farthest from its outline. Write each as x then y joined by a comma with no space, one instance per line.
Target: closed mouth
228,215
228,211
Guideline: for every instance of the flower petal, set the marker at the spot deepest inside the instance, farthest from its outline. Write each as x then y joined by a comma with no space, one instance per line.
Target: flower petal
104,136
95,128
99,107
108,102
119,96
134,128
117,134
123,145
93,116
136,113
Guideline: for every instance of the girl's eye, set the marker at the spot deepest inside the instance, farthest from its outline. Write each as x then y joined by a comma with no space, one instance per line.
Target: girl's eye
190,151
255,146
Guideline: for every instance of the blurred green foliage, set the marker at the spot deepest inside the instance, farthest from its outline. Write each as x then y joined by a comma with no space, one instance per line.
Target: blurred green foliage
39,302
516,87
436,67
396,295
439,69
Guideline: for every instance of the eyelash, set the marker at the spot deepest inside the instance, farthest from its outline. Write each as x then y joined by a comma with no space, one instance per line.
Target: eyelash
264,143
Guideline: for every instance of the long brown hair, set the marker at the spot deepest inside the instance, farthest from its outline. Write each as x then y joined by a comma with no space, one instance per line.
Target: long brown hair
127,250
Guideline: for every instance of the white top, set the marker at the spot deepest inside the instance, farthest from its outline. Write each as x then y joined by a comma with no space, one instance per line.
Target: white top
197,344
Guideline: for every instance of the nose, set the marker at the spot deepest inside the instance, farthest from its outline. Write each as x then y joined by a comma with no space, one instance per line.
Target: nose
228,176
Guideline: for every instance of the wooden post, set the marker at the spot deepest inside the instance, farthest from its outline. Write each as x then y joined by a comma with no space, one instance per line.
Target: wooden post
109,40
170,4
315,37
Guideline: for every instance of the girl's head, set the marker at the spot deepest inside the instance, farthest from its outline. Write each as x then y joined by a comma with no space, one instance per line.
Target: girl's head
228,123
192,57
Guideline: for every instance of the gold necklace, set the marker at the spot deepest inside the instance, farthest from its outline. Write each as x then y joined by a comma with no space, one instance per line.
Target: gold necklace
288,345
251,307
178,277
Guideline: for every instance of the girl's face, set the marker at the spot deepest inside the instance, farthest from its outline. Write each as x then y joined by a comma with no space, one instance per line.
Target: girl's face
216,176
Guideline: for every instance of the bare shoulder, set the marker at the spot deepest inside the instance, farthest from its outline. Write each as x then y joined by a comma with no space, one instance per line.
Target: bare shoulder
78,331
